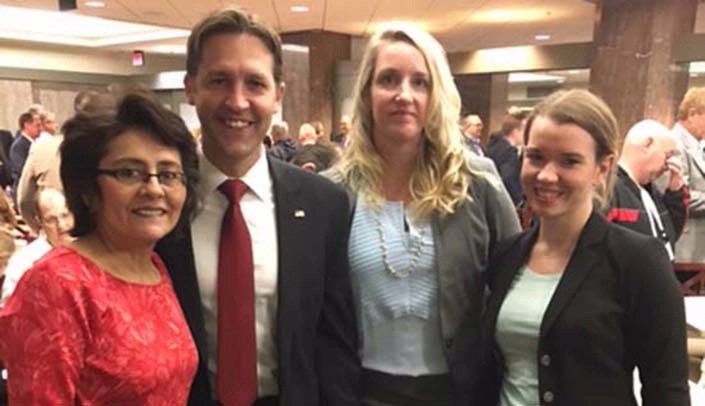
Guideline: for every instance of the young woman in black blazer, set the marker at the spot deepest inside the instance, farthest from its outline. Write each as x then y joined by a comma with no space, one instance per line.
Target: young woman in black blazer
577,303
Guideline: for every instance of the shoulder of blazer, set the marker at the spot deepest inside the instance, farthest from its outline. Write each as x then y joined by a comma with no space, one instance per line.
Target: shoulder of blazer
629,248
335,175
509,255
292,184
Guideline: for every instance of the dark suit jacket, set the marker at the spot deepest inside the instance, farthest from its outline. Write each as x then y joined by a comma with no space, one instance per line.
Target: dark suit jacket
18,155
627,209
316,334
616,306
506,158
6,139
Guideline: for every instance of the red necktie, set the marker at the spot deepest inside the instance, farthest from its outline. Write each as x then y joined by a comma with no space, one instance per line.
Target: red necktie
237,347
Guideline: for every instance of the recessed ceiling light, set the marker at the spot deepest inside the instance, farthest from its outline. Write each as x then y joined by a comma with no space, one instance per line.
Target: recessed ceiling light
299,9
94,4
55,27
523,77
542,37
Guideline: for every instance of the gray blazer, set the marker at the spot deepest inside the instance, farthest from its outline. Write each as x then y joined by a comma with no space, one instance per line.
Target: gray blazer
691,245
464,240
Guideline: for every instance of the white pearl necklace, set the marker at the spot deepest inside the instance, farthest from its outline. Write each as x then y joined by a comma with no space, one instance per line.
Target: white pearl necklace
414,251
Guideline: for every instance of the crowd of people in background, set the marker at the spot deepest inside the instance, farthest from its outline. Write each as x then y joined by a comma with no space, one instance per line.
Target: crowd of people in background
406,257
313,149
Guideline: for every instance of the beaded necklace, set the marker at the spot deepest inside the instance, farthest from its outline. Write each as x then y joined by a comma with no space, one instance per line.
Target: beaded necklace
415,245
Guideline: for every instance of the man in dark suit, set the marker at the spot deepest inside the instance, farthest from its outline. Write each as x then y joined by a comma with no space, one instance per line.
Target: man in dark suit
305,352
503,149
30,128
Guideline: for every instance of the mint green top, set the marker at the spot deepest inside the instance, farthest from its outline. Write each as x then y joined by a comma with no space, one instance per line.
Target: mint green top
518,326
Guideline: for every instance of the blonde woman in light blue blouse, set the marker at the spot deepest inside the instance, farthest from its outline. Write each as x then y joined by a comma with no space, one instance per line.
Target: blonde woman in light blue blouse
424,221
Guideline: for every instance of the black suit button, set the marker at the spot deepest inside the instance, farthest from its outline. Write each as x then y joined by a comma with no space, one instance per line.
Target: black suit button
546,360
548,396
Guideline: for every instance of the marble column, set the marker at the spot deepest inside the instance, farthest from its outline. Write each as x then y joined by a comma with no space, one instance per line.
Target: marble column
325,49
633,68
484,95
475,94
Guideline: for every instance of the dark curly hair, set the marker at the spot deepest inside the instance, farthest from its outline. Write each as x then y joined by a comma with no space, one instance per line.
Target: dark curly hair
88,134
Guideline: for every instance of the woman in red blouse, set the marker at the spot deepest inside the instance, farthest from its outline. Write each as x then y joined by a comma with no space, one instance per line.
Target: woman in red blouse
97,322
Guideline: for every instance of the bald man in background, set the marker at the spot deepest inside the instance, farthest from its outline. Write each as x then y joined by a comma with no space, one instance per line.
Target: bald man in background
637,204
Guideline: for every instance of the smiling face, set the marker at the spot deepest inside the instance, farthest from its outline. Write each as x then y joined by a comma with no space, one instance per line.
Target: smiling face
560,171
399,93
140,213
235,96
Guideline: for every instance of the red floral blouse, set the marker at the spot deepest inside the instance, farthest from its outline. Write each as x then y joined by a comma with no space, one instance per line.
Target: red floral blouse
74,334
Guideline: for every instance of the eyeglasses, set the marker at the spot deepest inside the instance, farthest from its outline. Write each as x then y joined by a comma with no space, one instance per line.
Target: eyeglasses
129,176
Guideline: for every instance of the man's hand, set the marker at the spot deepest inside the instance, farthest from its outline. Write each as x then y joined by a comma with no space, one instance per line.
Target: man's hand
675,173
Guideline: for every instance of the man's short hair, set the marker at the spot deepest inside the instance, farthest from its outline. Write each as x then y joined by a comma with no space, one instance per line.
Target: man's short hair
307,129
279,130
36,108
232,21
509,124
693,99
517,113
82,99
323,156
26,117
470,119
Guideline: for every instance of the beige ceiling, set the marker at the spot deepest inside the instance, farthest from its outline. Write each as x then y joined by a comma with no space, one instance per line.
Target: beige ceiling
459,24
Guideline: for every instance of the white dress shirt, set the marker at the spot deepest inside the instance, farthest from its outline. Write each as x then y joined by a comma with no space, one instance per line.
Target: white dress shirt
257,205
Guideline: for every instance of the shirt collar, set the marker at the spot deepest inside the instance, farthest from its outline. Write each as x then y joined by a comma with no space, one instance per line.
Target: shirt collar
27,136
257,177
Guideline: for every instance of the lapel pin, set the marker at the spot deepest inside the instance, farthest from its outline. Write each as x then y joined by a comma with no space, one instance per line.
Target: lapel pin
299,214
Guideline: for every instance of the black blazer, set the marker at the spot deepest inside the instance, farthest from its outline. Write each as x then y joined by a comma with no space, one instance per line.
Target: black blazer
316,333
616,307
506,158
18,155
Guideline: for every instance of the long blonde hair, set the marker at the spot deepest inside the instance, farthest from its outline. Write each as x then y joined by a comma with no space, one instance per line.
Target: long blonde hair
441,177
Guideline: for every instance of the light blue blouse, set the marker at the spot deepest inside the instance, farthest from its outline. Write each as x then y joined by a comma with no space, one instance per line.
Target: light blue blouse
518,328
398,315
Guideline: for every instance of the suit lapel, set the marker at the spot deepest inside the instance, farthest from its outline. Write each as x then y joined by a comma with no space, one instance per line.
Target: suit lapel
581,262
286,203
